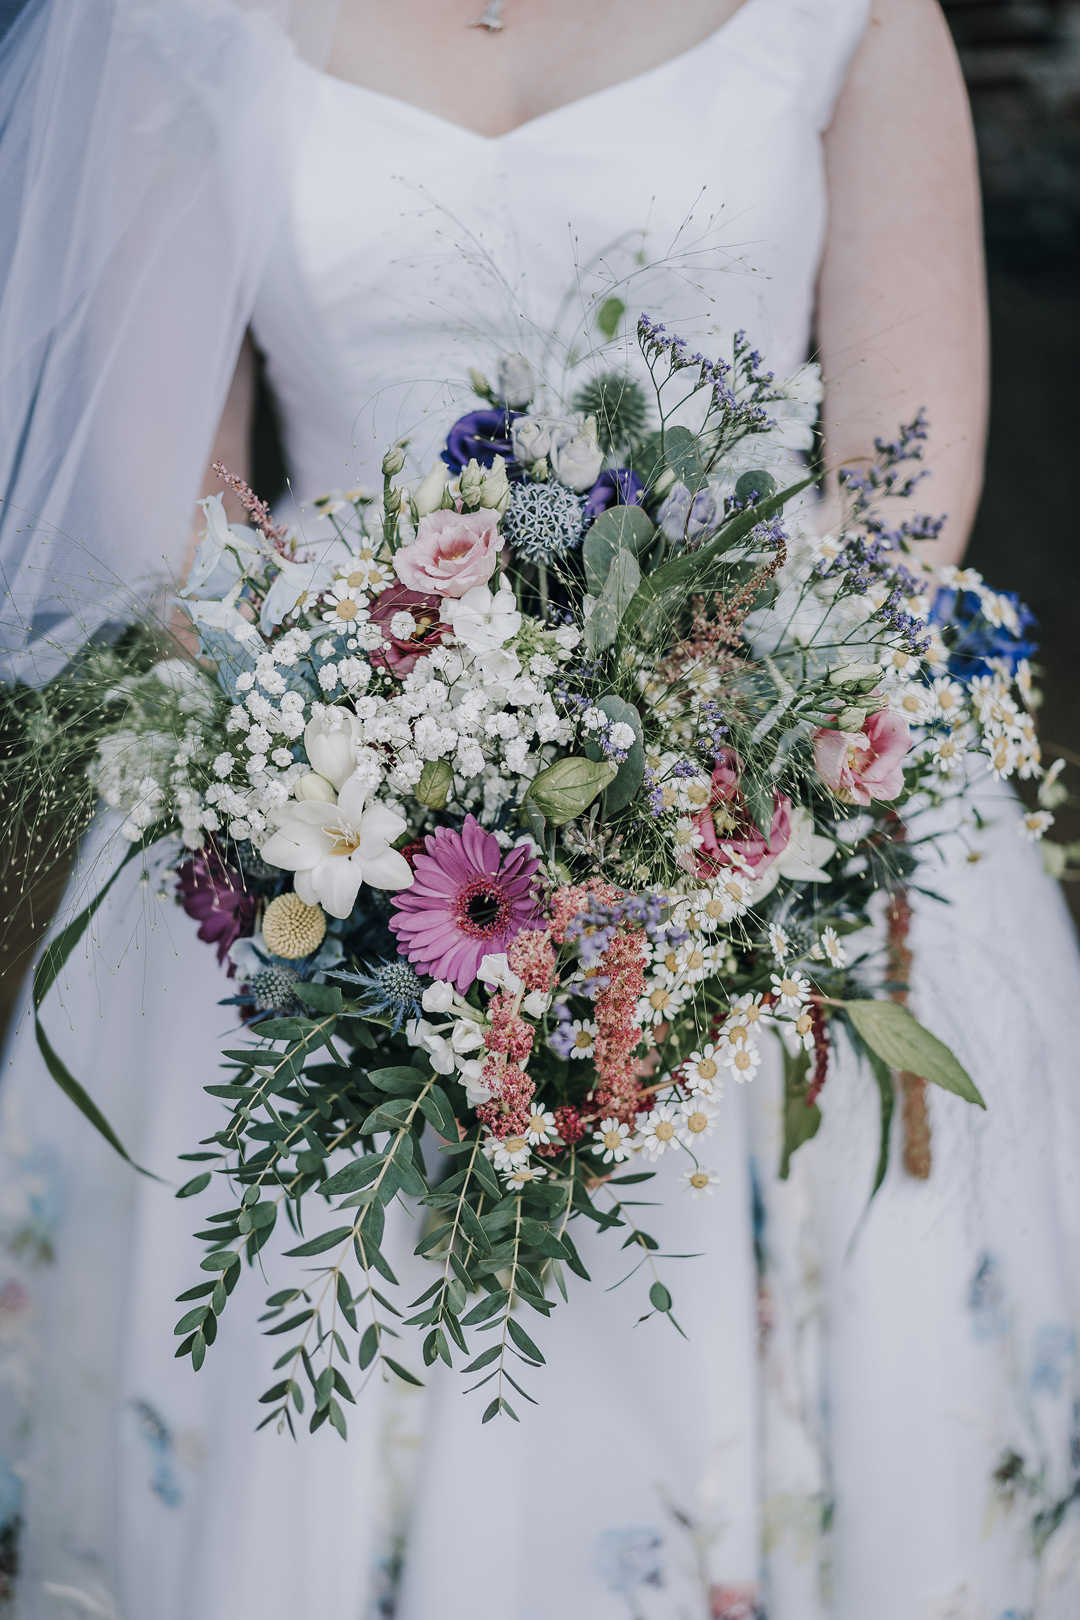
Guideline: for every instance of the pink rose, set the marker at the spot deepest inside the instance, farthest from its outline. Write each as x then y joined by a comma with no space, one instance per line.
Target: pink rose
398,655
727,821
452,552
863,765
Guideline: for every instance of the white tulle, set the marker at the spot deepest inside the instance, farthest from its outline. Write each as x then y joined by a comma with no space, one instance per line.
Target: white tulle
143,148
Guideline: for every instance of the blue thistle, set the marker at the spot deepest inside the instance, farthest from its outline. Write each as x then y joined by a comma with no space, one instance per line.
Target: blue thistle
389,987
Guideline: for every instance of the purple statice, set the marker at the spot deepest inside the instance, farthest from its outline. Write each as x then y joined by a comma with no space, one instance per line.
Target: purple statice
595,926
214,893
616,487
716,743
654,792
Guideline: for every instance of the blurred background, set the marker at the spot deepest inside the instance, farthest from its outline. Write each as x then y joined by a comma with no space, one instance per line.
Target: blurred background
1021,59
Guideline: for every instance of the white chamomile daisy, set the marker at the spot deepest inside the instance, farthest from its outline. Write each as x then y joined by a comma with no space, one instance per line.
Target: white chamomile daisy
1004,755
791,989
541,1126
947,751
584,1043
742,1062
687,837
343,605
779,942
901,666
658,1132
611,1141
913,702
508,1154
1034,824
659,1004
742,1019
950,698
700,1182
702,1070
804,1029
832,949
697,1120
521,1176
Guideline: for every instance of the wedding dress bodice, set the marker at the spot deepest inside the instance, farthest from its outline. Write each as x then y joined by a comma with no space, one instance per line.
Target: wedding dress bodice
413,248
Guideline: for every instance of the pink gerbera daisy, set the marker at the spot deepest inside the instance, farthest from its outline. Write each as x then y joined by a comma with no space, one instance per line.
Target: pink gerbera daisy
466,902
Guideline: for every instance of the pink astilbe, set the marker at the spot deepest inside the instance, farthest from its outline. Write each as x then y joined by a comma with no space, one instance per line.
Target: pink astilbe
509,1033
532,957
622,967
251,503
508,1113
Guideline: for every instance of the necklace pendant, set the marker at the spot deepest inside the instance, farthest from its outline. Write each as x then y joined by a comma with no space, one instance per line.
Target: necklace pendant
491,18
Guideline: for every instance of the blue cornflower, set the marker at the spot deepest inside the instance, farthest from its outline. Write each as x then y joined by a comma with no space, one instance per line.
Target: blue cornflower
389,987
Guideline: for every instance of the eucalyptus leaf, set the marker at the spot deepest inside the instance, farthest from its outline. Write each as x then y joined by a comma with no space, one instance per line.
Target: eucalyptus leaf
436,780
620,588
620,528
898,1038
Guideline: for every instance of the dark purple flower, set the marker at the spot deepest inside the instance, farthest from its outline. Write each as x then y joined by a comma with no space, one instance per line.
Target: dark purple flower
213,893
481,436
617,487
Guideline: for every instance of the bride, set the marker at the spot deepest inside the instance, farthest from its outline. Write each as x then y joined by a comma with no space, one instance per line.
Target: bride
874,1413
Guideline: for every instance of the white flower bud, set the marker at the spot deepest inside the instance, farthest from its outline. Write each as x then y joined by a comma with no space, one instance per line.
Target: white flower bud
314,786
428,495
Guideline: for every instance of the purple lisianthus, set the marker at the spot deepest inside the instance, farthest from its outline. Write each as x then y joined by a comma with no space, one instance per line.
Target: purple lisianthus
686,517
481,436
616,487
213,893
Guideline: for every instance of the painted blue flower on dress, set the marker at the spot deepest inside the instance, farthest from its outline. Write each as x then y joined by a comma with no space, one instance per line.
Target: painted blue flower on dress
157,1437
1053,1348
986,1300
979,641
627,1559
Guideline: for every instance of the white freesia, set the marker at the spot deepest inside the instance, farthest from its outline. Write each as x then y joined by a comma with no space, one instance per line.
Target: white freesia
334,848
536,1003
222,555
465,1036
223,615
331,742
485,621
471,1073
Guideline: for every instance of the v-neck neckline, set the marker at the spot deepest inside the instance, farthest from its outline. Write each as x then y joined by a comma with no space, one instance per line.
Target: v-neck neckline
634,81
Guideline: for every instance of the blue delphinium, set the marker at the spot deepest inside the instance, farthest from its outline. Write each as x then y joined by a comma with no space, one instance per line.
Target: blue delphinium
980,645
389,987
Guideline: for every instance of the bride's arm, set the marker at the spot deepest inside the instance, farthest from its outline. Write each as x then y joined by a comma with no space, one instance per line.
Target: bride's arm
901,317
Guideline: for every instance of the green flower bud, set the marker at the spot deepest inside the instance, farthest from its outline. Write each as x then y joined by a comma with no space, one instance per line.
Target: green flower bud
436,780
569,786
393,461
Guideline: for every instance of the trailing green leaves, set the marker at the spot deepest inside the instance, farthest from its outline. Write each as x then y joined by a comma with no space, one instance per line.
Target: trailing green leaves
897,1037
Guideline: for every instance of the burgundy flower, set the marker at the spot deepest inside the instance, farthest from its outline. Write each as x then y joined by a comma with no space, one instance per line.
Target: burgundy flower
213,893
467,902
397,655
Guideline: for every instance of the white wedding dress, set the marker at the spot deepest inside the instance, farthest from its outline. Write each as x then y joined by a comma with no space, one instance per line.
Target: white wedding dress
873,1415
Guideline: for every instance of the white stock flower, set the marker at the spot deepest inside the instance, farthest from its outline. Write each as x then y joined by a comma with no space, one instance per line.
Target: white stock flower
496,972
418,1032
334,848
438,997
483,620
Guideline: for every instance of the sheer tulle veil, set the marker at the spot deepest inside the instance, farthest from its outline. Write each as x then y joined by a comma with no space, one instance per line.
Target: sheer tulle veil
143,145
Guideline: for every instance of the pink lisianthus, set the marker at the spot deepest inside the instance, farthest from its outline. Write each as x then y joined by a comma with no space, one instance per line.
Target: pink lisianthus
864,765
398,655
452,552
727,827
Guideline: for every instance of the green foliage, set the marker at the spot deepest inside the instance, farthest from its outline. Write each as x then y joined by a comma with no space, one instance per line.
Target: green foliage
565,789
896,1036
801,1119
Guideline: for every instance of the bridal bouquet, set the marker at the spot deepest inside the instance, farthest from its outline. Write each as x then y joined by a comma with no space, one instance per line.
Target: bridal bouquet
524,806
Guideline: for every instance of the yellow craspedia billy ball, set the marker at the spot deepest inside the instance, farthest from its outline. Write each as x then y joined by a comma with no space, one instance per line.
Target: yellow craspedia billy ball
291,929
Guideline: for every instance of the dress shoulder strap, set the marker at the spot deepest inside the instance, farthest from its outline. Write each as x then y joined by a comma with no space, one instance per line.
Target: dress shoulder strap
808,43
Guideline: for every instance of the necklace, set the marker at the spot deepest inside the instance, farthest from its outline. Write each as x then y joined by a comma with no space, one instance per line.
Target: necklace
492,17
